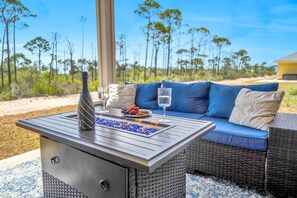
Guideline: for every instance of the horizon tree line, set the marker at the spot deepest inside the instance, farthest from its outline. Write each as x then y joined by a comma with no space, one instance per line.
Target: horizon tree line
162,28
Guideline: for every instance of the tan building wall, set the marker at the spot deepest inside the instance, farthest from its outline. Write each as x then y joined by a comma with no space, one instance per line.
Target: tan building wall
286,68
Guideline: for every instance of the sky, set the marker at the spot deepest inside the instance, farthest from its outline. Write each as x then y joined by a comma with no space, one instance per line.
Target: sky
267,29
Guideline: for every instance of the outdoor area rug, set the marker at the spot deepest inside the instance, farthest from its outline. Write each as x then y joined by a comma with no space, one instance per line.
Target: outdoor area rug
24,180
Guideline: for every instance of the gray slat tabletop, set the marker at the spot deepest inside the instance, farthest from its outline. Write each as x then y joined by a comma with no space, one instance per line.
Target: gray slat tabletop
143,153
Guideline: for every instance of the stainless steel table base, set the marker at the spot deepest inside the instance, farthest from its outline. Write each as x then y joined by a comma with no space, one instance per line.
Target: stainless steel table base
53,187
167,181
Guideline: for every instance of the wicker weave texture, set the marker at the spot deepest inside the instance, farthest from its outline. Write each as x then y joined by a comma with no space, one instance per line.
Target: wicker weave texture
167,181
53,187
242,166
282,162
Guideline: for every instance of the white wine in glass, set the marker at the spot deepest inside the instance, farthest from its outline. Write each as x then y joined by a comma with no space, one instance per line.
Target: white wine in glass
103,93
164,100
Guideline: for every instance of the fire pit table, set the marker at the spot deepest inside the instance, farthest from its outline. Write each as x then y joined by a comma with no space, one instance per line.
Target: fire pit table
120,158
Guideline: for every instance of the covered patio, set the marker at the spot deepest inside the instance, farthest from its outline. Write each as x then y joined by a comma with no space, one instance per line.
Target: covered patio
221,141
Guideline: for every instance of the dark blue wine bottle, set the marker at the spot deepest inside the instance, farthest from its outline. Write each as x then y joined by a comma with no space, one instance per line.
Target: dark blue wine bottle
85,109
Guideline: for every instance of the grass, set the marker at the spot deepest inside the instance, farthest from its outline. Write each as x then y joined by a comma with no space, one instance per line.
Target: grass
289,104
15,140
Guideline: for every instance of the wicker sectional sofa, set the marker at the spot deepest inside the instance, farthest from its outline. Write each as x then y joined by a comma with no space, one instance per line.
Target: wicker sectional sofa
233,152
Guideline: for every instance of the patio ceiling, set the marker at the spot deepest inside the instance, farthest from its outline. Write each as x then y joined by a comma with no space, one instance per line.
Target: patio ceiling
106,41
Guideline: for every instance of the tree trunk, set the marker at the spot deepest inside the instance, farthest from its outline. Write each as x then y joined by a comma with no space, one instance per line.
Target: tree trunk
95,65
138,72
134,70
52,62
2,57
156,59
64,68
120,63
152,58
72,70
8,57
14,53
50,72
56,52
92,69
145,60
39,61
164,58
181,67
51,75
191,58
196,68
64,63
125,63
219,58
168,58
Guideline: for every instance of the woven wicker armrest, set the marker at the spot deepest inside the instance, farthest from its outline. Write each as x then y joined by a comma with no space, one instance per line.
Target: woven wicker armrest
285,121
281,173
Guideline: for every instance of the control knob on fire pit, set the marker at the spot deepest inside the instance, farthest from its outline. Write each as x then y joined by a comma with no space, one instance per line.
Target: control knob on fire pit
55,160
104,184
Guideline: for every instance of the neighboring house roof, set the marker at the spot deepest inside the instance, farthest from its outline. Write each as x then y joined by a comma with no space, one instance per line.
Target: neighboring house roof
289,58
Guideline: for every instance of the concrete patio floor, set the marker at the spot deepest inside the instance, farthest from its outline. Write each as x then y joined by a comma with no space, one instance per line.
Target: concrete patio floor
21,177
18,159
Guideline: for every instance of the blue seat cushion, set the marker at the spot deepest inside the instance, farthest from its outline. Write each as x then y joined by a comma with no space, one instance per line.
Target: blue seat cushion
222,97
147,95
236,135
189,98
180,114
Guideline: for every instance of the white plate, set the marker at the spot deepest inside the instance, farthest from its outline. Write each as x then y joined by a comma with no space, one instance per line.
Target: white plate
139,116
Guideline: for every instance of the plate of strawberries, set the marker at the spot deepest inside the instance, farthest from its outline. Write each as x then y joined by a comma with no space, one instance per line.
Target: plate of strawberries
134,111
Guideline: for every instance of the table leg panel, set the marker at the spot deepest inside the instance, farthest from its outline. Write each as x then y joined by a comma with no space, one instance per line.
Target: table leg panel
167,181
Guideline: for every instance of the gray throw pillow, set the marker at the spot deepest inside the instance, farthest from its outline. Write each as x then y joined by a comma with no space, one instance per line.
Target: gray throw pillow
256,109
121,96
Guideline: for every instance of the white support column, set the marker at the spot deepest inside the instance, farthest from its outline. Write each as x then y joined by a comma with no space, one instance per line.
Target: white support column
106,42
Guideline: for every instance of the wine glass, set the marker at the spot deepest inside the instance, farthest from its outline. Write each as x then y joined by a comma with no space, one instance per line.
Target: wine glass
103,94
164,100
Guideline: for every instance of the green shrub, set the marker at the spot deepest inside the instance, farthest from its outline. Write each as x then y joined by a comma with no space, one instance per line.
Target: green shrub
7,95
40,88
21,90
73,88
93,86
254,75
56,88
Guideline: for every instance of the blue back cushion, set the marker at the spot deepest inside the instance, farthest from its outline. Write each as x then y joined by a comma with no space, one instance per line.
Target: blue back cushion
190,98
222,97
222,100
263,87
147,95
